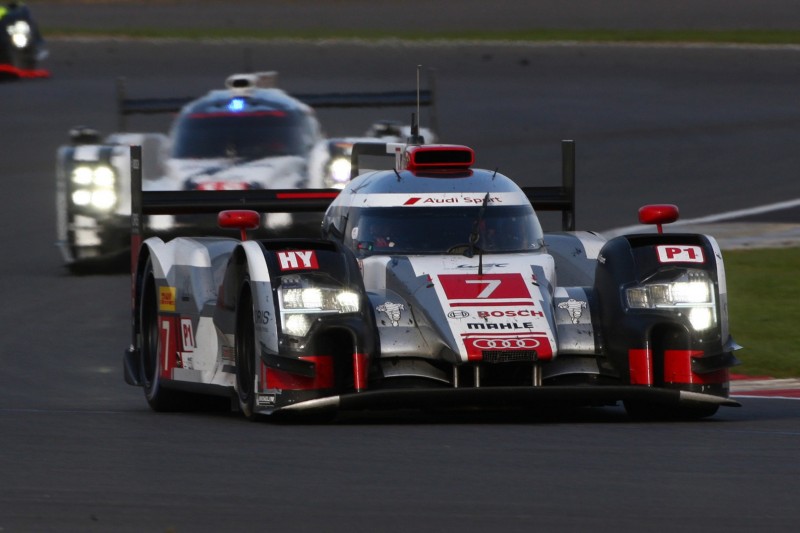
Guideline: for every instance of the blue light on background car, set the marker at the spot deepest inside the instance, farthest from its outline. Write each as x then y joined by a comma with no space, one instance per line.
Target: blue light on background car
236,104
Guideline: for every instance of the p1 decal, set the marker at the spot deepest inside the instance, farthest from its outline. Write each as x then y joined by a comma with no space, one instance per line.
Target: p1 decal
485,290
187,335
297,260
668,253
166,299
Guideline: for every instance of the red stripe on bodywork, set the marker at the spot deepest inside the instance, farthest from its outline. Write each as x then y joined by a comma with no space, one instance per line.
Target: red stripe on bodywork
493,303
301,195
360,367
640,363
323,376
678,369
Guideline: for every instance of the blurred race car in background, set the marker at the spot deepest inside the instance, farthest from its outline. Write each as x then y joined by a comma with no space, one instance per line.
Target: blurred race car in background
486,311
21,44
329,162
249,135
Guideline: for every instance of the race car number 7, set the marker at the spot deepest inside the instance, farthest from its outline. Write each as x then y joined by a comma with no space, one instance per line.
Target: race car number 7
491,285
474,287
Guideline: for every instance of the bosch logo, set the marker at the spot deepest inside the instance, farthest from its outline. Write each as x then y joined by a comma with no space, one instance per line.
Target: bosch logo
505,344
457,314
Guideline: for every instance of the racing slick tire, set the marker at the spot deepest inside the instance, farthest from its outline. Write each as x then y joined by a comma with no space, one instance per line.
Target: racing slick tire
158,397
246,356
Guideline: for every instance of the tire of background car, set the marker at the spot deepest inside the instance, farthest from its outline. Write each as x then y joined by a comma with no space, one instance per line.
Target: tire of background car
159,398
246,356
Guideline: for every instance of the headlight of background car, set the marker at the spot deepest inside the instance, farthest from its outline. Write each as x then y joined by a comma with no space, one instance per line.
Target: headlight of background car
339,172
94,186
301,301
691,293
20,33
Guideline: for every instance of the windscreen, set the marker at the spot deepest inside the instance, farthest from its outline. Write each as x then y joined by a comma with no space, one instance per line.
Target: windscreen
247,135
409,231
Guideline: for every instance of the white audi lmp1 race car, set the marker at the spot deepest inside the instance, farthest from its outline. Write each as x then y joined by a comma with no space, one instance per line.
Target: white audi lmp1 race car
433,286
249,135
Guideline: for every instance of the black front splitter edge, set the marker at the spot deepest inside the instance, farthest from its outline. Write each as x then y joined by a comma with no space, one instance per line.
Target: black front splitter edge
505,398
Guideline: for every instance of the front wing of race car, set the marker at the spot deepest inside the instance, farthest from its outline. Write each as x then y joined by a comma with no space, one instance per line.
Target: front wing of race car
500,398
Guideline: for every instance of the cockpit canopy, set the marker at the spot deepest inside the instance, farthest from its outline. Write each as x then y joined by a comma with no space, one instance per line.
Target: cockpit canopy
438,230
243,127
433,202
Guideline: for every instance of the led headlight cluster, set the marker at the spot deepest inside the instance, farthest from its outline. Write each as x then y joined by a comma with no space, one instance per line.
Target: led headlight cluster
20,33
301,301
94,186
691,293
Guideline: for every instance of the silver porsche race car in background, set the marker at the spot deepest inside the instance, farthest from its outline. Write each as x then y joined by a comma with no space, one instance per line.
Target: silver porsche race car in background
249,135
434,286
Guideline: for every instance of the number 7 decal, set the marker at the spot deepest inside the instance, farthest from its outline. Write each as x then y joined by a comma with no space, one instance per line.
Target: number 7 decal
487,289
491,285
165,343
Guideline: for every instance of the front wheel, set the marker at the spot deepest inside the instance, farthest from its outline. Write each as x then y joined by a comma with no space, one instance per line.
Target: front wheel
246,355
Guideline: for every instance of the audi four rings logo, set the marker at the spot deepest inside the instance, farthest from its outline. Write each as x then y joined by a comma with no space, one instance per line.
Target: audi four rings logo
507,344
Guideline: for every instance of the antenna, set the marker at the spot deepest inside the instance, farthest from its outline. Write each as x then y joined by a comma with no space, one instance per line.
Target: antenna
418,69
415,137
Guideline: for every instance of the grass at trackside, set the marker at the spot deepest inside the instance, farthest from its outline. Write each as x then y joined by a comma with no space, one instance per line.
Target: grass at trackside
774,37
764,304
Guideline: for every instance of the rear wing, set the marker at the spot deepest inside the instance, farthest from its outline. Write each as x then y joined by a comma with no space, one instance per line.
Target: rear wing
195,202
542,198
151,106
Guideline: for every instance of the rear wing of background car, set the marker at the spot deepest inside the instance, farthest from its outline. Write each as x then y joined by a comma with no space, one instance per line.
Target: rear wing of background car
543,198
158,105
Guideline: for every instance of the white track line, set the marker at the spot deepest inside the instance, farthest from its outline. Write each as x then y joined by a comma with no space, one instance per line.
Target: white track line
719,217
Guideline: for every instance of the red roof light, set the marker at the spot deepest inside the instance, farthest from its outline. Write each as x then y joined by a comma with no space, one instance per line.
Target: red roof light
241,219
438,157
658,214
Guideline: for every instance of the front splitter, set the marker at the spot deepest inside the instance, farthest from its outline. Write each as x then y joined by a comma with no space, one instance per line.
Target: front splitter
505,398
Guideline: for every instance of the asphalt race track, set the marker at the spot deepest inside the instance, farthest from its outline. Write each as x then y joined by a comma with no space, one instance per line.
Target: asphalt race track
712,129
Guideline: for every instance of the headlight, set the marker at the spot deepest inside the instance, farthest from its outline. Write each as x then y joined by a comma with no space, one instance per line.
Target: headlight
324,300
20,33
340,171
692,292
94,186
300,301
99,176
